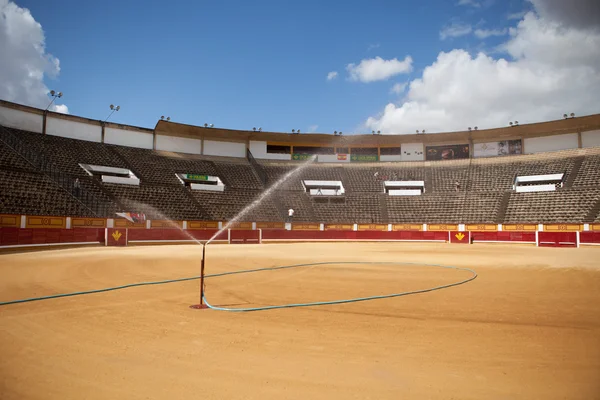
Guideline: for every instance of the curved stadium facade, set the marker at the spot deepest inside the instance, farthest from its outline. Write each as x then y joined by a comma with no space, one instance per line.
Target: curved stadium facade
65,172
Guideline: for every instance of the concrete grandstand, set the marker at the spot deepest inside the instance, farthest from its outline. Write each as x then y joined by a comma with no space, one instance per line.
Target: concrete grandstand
537,177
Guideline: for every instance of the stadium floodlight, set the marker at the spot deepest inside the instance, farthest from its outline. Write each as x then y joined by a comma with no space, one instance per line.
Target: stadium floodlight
254,129
565,116
335,133
423,131
54,94
516,122
417,131
113,109
206,125
212,125
293,131
469,129
475,128
510,123
168,118
298,131
162,117
341,133
379,132
572,115
260,129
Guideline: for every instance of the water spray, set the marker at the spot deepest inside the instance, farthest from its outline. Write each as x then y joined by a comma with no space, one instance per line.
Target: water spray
246,210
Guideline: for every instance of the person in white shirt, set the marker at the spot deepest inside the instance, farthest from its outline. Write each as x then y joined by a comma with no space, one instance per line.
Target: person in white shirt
290,214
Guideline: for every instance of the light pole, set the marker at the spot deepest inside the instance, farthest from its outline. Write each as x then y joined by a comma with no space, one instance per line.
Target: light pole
54,95
113,109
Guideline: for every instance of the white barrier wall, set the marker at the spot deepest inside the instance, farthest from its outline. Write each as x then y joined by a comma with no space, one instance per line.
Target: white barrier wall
226,149
413,152
333,158
551,143
590,139
128,138
73,130
391,158
178,144
21,120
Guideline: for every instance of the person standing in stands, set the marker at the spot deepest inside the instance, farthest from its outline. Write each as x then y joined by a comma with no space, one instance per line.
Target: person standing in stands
290,215
76,187
457,184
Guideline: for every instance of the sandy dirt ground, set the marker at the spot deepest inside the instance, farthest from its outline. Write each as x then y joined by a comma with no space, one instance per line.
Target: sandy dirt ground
527,328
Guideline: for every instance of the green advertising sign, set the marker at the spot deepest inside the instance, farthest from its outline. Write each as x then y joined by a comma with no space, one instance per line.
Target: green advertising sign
364,158
301,157
196,177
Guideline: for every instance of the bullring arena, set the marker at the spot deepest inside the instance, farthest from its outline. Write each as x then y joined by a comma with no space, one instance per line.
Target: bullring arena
415,266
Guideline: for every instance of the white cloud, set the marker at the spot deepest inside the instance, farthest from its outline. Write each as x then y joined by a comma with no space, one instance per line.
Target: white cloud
332,75
485,33
313,128
398,88
471,3
517,15
551,70
373,46
24,61
378,69
456,29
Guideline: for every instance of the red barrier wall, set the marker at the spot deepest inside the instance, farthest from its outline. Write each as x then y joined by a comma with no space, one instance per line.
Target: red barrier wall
244,237
557,239
29,236
352,235
589,237
460,237
503,236
173,234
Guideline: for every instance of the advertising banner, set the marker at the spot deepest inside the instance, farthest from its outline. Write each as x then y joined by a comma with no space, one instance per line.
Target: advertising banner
301,157
364,158
13,221
493,149
196,177
447,152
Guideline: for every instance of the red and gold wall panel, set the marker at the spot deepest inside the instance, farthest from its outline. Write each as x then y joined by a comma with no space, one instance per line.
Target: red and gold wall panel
270,225
339,227
306,227
77,222
244,226
407,227
563,228
519,227
482,227
373,227
442,227
10,221
203,225
123,223
45,222
166,224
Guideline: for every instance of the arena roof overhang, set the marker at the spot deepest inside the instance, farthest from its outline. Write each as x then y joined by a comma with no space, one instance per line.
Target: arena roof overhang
558,127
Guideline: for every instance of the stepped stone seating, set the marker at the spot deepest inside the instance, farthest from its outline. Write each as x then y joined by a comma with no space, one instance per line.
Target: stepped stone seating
156,168
67,154
361,208
238,175
443,178
363,180
299,202
276,172
11,160
564,205
427,208
223,206
32,193
156,201
589,172
90,187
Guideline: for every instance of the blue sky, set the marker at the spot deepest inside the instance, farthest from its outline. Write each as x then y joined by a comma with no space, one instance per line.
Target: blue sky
239,64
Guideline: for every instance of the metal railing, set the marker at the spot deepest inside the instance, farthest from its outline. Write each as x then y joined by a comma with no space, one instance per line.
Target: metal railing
257,167
43,163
